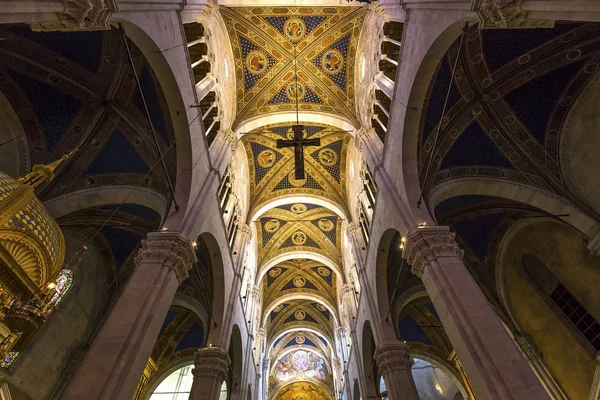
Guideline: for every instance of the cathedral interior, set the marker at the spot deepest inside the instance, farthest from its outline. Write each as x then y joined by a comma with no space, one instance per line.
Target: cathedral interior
307,200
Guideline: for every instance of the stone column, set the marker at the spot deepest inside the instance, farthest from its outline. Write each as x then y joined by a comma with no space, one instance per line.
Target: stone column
211,365
488,354
394,363
112,367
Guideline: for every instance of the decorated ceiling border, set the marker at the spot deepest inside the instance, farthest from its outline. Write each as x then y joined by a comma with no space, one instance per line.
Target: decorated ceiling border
265,41
298,313
300,277
298,340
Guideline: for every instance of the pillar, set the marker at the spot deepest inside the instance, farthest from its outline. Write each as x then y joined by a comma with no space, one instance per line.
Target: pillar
488,354
112,367
211,365
394,363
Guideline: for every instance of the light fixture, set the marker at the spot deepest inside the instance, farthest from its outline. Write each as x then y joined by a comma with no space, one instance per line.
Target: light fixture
194,244
51,285
165,229
438,387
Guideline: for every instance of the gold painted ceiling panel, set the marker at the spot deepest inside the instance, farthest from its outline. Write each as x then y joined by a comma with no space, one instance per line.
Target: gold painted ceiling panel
272,169
265,42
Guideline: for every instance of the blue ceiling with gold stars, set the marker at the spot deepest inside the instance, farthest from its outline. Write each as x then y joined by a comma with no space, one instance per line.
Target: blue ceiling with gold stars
267,40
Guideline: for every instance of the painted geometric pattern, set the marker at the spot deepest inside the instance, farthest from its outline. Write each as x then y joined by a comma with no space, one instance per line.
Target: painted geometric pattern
322,61
299,276
272,169
251,78
322,39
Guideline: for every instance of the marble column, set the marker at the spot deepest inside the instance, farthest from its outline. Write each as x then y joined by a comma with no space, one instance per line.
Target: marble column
112,367
494,365
394,363
211,365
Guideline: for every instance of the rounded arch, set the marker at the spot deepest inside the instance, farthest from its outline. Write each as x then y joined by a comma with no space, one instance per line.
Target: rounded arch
301,296
330,342
105,195
191,304
262,270
541,199
282,117
368,347
389,238
208,251
260,209
236,355
437,40
186,139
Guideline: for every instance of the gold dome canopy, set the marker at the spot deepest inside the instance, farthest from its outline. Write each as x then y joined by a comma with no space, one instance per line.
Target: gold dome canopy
32,246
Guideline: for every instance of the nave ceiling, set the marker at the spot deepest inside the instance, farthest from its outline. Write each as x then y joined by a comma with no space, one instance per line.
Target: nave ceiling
272,169
265,42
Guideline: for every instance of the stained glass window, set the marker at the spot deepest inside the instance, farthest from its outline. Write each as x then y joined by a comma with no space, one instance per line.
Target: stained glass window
10,358
63,285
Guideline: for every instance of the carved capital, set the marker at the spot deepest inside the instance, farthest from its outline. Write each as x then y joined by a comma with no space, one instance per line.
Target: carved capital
245,231
528,348
427,244
353,228
169,249
494,14
80,15
393,356
256,293
211,362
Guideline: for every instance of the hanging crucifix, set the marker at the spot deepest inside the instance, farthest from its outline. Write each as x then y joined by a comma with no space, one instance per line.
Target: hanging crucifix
298,143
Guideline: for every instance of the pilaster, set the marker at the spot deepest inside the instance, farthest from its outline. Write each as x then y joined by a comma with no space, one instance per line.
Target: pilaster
536,361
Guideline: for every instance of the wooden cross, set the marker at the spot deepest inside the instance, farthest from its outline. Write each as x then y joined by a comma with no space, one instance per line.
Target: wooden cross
298,144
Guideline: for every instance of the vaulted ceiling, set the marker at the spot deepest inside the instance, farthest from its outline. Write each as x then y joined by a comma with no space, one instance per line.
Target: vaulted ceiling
267,40
272,169
506,108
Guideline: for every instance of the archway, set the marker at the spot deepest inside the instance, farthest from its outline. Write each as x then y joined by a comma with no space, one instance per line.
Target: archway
209,270
370,369
236,356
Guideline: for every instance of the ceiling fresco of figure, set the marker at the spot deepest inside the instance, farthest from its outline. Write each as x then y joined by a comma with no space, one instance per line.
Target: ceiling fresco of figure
265,42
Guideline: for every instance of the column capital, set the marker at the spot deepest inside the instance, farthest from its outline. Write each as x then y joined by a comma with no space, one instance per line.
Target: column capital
170,249
256,293
212,362
353,227
428,243
506,14
80,15
392,356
